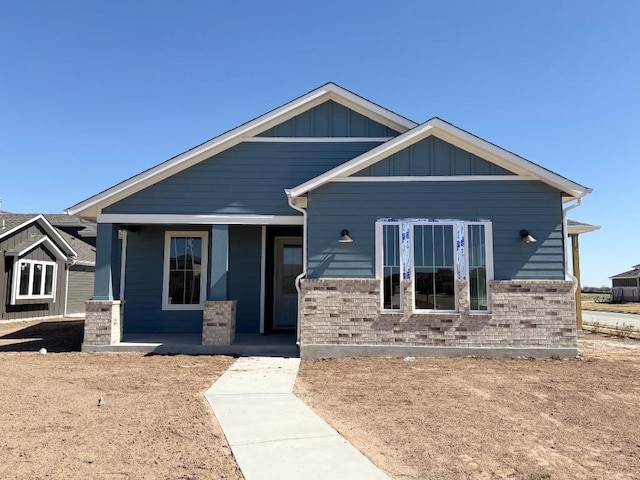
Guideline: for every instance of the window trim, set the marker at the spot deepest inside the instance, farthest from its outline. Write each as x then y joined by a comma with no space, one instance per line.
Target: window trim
488,235
413,265
379,245
15,290
204,235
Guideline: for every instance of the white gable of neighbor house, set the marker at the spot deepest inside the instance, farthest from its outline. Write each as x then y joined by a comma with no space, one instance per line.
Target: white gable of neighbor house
91,207
522,168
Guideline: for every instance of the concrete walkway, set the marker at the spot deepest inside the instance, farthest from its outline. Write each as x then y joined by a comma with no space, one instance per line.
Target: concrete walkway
272,434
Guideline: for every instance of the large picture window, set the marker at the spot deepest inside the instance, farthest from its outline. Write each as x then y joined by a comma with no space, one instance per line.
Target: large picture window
434,255
35,279
185,270
434,267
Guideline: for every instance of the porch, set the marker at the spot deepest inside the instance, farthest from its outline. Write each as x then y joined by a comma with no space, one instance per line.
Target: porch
277,344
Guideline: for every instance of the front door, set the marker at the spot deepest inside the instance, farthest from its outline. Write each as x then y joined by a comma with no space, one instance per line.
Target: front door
288,265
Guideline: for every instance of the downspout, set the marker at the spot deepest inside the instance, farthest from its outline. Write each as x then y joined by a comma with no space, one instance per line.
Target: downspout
565,234
292,204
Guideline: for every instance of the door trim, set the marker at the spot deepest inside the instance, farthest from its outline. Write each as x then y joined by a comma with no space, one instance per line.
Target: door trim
276,241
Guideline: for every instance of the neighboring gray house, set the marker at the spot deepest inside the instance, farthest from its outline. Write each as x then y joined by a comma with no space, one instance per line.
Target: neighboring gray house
48,265
625,286
363,232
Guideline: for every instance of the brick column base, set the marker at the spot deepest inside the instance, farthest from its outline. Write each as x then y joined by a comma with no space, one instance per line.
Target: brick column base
102,323
219,322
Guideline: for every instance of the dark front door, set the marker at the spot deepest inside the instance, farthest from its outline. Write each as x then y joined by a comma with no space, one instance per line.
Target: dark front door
288,265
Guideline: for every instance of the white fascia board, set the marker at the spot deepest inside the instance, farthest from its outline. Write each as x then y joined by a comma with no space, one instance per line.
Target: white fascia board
92,206
152,219
50,229
457,137
582,228
56,251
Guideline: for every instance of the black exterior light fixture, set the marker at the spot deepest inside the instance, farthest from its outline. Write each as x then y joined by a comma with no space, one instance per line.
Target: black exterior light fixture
344,237
525,237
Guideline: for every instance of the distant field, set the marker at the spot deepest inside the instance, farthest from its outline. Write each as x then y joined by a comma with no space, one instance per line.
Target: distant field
596,297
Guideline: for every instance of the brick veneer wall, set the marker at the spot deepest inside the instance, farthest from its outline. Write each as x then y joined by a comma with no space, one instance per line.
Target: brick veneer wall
102,323
219,322
524,314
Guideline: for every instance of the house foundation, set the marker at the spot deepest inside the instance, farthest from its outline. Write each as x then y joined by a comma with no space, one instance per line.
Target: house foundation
342,317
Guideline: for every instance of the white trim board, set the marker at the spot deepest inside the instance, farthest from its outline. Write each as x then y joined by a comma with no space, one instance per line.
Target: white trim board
153,219
51,230
456,136
92,206
434,178
316,139
45,240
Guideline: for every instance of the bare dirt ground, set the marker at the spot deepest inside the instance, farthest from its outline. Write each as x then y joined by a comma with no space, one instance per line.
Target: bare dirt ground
486,418
154,423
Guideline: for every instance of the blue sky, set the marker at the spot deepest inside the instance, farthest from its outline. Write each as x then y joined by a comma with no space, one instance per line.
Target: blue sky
94,92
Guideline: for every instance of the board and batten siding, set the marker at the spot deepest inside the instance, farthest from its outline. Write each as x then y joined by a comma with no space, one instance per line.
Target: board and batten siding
29,308
511,206
330,119
80,288
248,179
432,157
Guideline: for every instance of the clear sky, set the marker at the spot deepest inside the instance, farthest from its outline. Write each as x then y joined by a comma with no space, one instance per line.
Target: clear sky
94,92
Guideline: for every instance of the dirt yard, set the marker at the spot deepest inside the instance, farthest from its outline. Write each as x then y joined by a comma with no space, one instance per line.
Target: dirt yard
154,423
425,419
612,307
484,419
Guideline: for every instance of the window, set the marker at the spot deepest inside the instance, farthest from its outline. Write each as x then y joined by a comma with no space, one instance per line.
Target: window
434,267
34,279
391,265
434,255
185,267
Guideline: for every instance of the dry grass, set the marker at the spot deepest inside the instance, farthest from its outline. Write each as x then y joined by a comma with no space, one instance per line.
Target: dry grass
612,307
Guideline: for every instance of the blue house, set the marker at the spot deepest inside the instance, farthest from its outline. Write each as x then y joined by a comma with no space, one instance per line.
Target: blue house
362,232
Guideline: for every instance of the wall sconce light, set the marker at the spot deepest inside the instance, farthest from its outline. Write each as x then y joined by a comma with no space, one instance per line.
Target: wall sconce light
525,237
344,237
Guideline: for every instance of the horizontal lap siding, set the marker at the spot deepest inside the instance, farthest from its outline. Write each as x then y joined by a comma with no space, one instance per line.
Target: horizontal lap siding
330,119
511,206
80,288
248,179
143,280
245,257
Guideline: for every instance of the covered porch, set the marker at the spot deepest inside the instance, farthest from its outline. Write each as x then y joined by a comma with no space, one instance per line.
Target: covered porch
197,287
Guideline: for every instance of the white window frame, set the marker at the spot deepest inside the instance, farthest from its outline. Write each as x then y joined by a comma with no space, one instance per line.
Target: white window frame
380,263
15,291
488,237
165,269
413,265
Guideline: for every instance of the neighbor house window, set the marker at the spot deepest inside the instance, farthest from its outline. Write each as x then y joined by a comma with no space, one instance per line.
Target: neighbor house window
35,279
185,267
434,267
434,254
391,265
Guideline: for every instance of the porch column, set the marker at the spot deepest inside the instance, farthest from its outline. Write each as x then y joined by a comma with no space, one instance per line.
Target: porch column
219,315
102,324
107,273
575,250
219,263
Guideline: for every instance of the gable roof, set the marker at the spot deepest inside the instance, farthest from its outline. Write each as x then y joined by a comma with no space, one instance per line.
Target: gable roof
14,222
90,207
629,273
456,136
